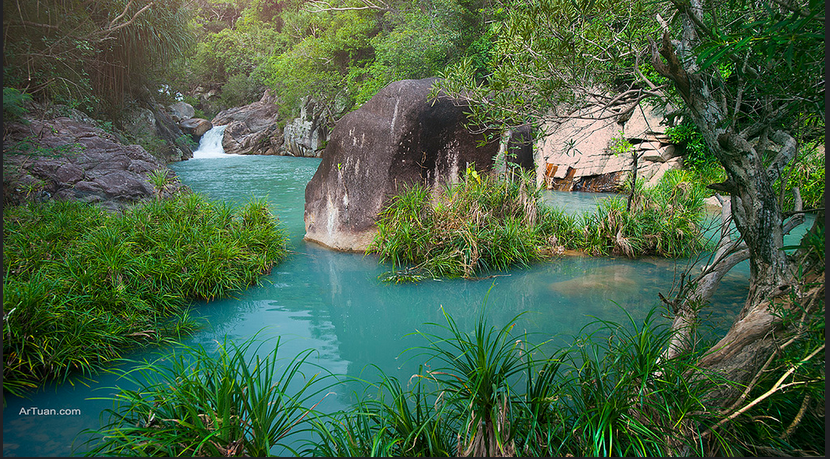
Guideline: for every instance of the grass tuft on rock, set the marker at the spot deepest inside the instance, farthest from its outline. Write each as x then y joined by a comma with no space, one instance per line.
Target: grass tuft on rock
81,285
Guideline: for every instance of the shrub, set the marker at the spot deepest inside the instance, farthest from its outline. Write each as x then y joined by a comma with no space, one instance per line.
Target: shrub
14,104
696,155
476,225
663,220
808,174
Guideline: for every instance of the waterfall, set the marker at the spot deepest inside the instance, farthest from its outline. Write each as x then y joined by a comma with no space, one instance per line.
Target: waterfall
210,145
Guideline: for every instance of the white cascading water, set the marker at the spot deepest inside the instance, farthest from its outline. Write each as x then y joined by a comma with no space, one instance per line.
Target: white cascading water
210,145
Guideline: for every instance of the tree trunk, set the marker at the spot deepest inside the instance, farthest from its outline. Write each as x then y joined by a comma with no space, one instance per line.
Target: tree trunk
757,216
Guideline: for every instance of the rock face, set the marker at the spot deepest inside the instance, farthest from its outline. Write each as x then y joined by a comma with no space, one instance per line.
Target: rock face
71,160
578,154
176,146
252,129
195,127
306,135
397,138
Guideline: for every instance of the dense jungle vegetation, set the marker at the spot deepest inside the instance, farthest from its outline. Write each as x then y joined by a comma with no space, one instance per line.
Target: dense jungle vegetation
741,83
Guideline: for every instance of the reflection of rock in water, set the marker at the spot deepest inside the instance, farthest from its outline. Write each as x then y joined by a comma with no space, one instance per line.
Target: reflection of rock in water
618,280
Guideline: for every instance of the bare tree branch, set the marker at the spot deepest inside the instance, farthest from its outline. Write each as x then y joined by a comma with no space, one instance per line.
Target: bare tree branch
323,6
109,30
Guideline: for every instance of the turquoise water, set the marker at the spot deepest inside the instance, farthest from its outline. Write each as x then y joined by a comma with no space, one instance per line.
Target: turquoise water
333,303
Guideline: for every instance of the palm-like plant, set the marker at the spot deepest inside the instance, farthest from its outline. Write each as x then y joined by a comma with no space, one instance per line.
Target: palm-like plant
229,403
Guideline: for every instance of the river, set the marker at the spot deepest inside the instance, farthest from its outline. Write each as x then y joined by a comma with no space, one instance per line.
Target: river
334,303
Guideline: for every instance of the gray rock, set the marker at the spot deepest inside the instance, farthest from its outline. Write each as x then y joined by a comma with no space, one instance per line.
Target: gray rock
181,111
76,161
397,138
307,134
177,146
252,129
140,123
195,126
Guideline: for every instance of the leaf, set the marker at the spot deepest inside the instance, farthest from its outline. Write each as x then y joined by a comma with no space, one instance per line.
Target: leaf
716,57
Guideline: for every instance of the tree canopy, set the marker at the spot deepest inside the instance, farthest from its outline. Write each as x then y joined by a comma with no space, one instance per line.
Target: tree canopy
91,54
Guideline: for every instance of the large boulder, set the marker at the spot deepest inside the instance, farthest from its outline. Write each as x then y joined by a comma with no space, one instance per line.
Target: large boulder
581,154
195,127
181,111
71,160
252,129
397,138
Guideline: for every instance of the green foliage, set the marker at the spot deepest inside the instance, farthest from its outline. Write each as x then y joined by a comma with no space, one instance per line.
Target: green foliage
13,104
232,58
663,220
489,392
31,146
84,284
483,392
696,155
388,421
789,42
545,53
807,173
484,224
241,90
476,371
477,225
92,56
203,403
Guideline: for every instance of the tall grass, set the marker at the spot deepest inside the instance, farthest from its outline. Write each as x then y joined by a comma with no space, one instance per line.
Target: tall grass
483,392
81,285
486,224
388,421
200,403
489,392
479,224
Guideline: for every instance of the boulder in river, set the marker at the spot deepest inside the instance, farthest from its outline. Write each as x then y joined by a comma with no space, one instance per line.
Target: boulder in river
398,138
252,129
195,127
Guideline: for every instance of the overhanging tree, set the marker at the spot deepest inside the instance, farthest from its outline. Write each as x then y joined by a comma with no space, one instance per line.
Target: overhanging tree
749,75
752,81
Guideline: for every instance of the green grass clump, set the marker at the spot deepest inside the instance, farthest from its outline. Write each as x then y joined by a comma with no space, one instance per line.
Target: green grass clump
200,403
489,392
664,221
483,392
486,224
81,285
476,225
